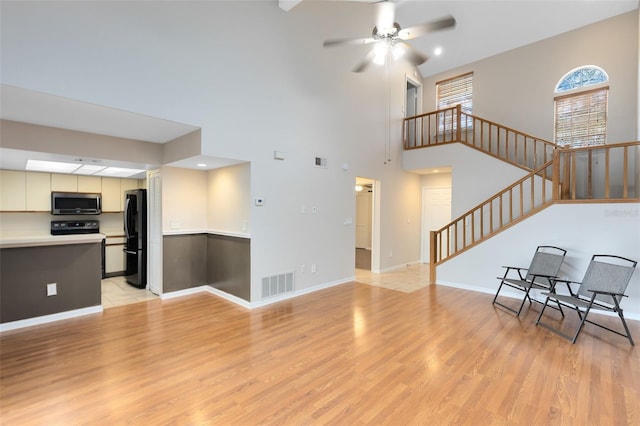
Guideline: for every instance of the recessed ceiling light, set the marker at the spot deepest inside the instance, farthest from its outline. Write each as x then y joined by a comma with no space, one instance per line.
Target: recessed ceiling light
201,165
438,51
88,169
50,166
118,172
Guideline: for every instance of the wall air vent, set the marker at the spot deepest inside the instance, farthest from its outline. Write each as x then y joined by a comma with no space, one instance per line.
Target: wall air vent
277,284
321,162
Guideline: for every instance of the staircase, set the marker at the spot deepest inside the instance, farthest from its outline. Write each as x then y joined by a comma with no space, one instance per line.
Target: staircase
603,173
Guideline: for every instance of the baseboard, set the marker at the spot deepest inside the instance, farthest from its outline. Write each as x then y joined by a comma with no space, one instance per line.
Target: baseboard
628,315
252,305
301,292
44,319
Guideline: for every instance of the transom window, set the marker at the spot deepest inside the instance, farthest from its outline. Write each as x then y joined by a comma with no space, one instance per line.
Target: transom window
581,115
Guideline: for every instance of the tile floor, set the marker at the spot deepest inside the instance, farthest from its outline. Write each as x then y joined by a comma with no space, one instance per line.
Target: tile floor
407,279
116,292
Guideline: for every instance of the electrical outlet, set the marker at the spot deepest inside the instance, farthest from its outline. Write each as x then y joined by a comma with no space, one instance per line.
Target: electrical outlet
390,253
52,289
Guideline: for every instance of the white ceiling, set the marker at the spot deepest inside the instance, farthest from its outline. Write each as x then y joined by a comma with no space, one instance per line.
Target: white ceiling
484,28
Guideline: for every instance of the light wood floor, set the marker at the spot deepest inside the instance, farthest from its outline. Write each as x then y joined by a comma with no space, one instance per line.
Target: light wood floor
351,354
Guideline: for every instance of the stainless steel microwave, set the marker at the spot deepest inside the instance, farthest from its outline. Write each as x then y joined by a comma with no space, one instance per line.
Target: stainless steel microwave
75,203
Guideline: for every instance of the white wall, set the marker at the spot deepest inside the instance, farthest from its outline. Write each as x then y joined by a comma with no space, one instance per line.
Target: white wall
516,88
467,166
266,90
229,199
583,230
184,199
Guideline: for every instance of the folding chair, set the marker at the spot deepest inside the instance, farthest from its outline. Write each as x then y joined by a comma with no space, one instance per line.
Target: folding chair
602,287
544,267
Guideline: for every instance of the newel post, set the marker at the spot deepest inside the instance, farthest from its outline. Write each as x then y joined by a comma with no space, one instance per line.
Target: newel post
432,257
459,122
556,174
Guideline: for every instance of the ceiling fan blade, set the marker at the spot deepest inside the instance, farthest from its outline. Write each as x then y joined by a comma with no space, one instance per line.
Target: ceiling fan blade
365,62
386,14
427,27
412,55
344,41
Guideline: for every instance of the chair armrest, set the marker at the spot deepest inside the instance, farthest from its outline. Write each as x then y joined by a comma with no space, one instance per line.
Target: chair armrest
517,268
608,293
514,268
568,283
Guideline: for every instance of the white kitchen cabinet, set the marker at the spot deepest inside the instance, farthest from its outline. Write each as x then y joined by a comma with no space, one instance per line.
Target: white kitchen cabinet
38,191
114,258
64,183
91,184
125,185
12,190
111,195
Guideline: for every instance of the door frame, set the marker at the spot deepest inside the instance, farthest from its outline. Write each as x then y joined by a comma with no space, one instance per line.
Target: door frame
154,231
408,80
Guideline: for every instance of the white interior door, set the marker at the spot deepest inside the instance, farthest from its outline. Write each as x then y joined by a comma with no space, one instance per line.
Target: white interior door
436,212
364,210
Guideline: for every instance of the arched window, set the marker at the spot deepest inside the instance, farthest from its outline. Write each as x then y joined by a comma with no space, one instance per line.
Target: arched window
581,112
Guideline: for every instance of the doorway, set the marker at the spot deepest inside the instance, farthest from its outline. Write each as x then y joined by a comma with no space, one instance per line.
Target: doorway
364,223
413,99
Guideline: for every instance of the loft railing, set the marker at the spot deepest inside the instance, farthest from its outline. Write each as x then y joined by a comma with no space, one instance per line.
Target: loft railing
452,125
604,173
600,173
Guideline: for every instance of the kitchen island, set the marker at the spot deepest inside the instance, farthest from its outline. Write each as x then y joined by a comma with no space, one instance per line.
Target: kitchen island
34,267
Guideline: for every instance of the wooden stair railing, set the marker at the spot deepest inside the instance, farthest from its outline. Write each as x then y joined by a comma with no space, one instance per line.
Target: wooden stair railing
451,125
600,173
603,173
528,195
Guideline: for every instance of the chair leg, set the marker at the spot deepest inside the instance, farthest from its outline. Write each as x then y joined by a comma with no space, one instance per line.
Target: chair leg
498,292
544,306
524,299
583,318
624,323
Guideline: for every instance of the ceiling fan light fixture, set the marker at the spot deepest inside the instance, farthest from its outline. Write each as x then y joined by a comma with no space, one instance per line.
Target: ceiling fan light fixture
380,53
398,51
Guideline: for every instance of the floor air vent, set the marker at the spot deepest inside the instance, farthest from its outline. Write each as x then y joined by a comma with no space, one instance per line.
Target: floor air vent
277,284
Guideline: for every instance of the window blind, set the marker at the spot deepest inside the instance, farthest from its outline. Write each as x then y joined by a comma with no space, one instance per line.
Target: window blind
456,91
581,118
452,92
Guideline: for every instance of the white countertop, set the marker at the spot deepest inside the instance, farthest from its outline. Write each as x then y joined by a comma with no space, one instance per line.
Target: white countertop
12,241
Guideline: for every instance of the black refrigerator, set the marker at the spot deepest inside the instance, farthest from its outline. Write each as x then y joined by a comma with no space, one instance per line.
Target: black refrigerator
135,230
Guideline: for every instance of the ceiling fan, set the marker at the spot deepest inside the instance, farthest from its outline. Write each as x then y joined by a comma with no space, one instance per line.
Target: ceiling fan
388,38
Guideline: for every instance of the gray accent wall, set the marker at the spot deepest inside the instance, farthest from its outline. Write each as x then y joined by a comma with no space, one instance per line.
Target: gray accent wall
229,265
26,271
184,260
193,260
